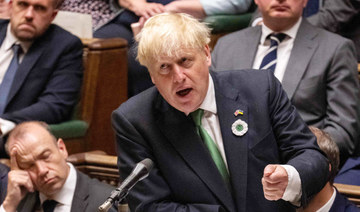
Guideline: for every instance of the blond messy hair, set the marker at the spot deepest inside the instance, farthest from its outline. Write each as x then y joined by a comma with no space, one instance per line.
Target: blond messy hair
167,33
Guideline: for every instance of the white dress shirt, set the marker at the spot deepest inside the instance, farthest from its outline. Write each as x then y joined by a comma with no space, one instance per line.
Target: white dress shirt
6,55
283,51
65,196
210,122
328,205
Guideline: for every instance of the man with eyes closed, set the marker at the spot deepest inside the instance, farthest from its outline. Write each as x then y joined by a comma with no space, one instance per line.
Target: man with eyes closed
40,175
227,141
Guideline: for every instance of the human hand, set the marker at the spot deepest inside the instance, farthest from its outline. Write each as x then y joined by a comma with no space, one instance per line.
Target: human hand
147,10
4,9
19,184
275,181
191,7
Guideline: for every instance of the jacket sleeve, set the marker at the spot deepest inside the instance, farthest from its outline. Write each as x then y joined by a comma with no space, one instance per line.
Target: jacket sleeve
297,145
334,14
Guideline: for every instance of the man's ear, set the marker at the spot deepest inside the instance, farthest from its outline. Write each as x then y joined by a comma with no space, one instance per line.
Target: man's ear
208,55
62,148
305,3
54,15
152,79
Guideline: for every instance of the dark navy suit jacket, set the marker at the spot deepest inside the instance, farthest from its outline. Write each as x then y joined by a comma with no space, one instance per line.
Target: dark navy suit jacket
48,80
185,178
350,172
342,204
3,181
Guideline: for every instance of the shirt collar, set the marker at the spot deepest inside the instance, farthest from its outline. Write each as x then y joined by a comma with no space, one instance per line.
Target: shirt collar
266,31
65,195
329,203
10,40
209,103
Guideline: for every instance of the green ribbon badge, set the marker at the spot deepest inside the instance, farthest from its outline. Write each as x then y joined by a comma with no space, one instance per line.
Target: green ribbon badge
239,127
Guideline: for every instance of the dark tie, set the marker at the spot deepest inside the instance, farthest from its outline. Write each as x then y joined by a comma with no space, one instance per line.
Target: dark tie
269,61
9,76
214,151
49,205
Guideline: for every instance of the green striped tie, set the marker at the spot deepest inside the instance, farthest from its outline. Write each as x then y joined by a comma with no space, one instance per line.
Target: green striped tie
214,151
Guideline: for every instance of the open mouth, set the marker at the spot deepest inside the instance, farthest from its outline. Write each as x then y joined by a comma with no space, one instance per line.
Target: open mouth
184,92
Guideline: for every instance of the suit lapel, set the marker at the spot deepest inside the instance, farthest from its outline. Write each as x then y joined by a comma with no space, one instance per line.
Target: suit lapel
248,44
30,203
180,132
81,194
29,60
304,47
3,33
228,102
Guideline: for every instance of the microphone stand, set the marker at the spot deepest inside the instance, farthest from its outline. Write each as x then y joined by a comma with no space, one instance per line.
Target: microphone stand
140,172
115,195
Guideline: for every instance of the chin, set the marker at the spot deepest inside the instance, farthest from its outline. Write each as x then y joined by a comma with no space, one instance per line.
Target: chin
187,109
25,36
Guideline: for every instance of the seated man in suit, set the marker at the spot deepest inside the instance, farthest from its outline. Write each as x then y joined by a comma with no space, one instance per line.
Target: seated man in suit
224,141
39,173
329,199
317,69
40,66
346,22
3,181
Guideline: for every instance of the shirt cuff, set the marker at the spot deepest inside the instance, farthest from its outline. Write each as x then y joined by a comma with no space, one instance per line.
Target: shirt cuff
293,190
2,208
6,126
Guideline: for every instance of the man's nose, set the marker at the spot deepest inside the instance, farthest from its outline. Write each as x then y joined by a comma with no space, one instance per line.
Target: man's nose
42,168
29,14
179,75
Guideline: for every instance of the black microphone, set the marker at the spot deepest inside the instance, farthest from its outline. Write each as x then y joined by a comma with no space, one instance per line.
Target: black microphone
140,172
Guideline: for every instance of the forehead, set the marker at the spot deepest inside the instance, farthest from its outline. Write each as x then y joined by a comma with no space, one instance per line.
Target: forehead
45,3
31,139
31,143
31,148
178,54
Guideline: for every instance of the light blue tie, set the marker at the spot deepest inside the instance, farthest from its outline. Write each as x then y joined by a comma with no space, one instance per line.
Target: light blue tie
8,79
269,61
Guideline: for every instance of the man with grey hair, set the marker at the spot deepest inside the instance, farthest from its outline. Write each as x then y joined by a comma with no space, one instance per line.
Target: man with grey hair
40,177
40,66
228,141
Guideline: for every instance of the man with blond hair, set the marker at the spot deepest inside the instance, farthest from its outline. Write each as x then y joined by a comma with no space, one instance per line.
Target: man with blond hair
228,141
